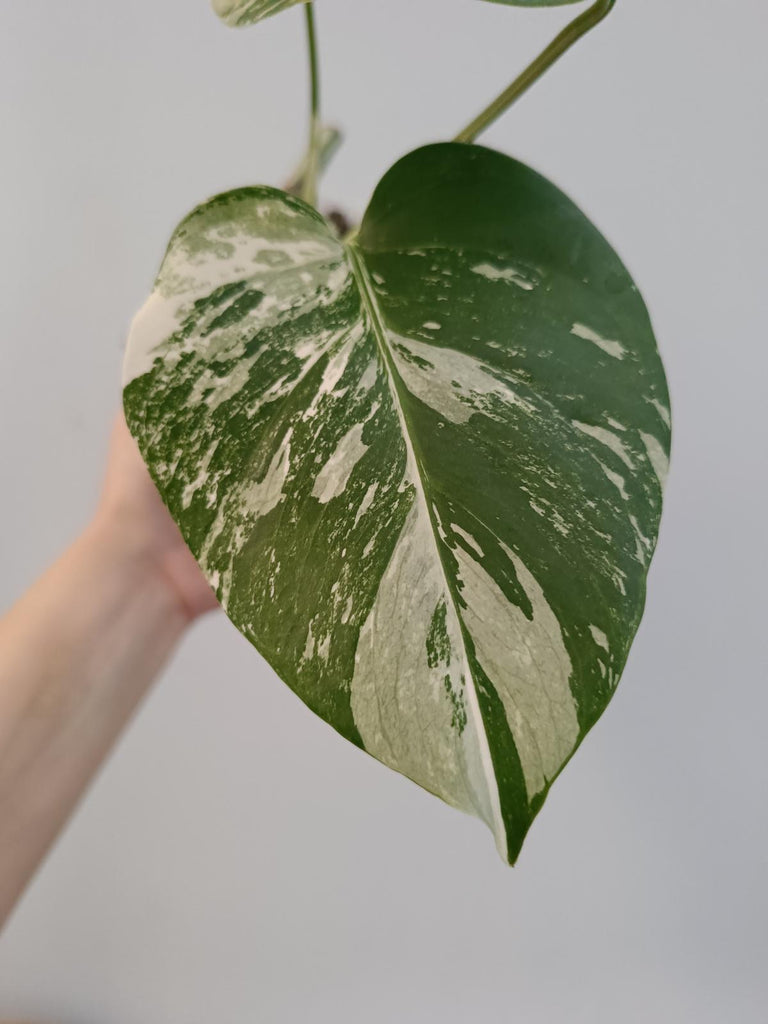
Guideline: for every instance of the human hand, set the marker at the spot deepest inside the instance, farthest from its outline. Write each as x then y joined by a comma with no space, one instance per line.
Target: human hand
131,510
78,652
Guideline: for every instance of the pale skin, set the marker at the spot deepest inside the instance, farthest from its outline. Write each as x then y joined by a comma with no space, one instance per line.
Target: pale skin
79,651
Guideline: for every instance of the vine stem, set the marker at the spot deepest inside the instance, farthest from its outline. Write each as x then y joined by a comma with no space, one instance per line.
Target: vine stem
559,45
309,191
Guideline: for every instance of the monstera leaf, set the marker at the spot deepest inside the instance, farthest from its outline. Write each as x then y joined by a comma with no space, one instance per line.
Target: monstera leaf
247,12
422,470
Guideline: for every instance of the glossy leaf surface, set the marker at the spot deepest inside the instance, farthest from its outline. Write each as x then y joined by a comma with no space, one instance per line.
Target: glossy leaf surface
423,471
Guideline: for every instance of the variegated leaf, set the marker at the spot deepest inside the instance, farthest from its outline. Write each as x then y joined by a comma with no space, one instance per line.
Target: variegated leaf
247,12
537,3
422,470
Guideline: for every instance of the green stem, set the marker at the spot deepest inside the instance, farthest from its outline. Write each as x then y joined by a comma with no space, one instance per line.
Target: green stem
328,140
563,42
310,180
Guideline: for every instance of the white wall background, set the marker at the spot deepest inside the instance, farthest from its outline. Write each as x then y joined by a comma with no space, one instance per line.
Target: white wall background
236,860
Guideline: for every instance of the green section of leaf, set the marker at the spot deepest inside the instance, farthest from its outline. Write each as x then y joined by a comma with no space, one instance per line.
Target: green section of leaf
422,471
247,12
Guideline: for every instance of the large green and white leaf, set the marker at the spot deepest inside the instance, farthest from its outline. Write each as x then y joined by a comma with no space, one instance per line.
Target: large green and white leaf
247,12
423,470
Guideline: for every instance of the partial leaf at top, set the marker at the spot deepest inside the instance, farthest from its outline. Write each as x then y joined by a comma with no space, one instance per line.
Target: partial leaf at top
247,12
238,13
422,471
536,3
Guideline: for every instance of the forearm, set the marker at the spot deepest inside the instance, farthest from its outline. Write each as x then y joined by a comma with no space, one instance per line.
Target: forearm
77,653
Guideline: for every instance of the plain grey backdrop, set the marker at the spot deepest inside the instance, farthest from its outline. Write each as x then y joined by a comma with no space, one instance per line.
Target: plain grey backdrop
236,860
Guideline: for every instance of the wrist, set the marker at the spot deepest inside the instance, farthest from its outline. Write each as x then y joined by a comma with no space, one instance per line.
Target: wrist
136,562
132,518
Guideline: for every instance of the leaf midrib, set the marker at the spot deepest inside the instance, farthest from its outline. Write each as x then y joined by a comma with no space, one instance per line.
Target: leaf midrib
363,281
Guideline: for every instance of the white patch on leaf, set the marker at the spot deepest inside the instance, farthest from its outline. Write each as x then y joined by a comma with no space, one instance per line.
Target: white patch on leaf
334,371
202,476
261,496
156,321
309,645
528,665
233,254
609,439
452,383
599,637
612,348
509,274
332,479
468,538
662,410
401,704
616,479
657,457
367,501
368,378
